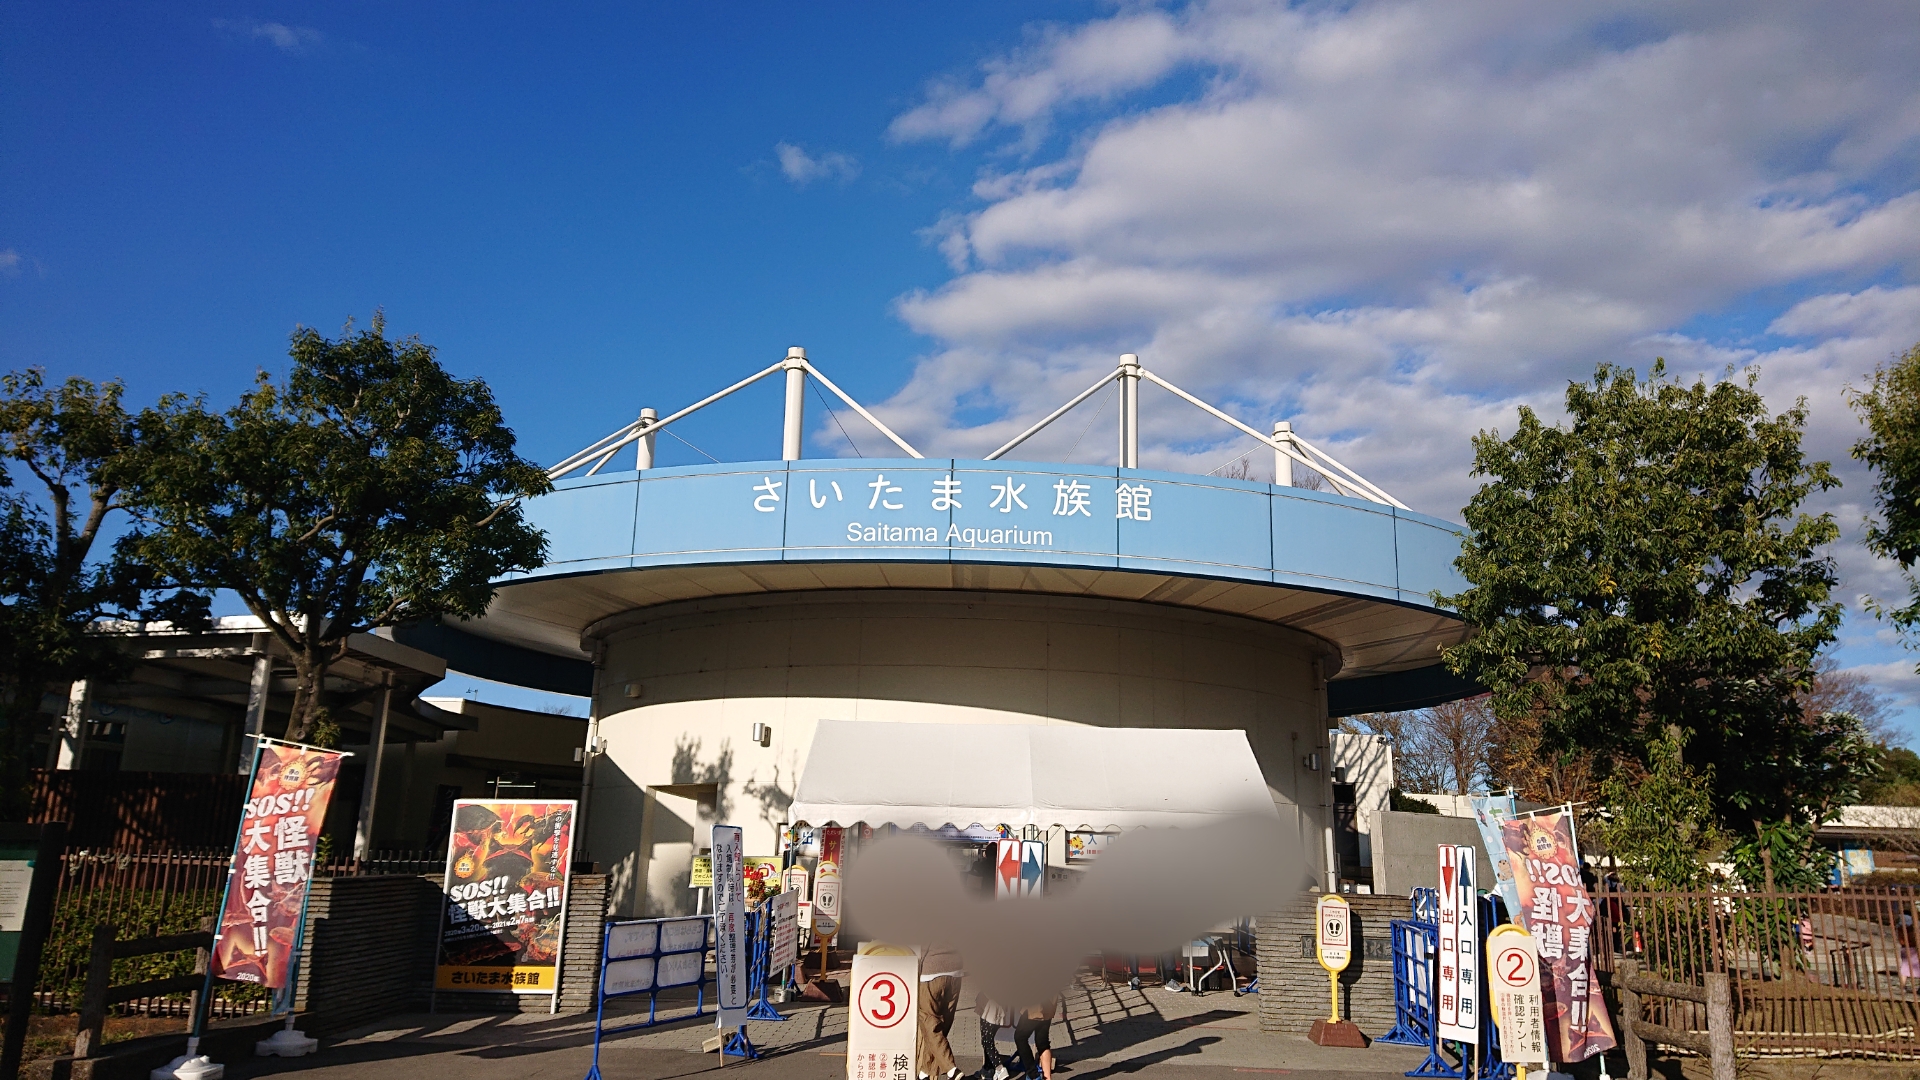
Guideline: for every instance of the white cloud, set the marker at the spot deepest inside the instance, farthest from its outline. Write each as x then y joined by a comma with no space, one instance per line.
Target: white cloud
1393,222
11,263
803,168
290,39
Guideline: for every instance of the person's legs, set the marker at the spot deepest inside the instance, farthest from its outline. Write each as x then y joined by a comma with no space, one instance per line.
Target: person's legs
942,997
990,1048
924,1020
1029,1039
1043,1046
945,996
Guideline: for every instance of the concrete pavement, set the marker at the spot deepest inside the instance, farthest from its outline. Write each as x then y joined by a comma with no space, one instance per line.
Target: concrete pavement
1104,1032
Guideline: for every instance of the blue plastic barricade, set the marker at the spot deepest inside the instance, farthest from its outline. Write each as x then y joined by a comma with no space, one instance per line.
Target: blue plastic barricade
760,933
1417,941
1487,1063
1414,946
1417,983
646,956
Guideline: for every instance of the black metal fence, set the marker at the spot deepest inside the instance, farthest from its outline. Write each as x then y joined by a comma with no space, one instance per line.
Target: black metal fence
154,894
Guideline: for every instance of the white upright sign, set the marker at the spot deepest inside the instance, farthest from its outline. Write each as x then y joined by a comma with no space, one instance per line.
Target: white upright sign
1514,967
783,950
729,926
880,1017
1459,1008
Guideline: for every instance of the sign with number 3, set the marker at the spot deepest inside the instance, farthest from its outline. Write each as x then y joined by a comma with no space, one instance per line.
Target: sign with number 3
881,1032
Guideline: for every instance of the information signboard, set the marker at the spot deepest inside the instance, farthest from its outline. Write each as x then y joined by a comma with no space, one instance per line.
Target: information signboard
1334,948
880,1017
729,926
1458,1008
783,948
1514,966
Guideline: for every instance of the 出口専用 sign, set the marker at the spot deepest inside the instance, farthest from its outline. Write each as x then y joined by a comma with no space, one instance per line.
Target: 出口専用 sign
506,895
273,862
1458,1008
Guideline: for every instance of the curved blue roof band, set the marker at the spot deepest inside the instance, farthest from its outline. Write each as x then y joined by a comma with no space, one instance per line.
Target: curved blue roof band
1028,513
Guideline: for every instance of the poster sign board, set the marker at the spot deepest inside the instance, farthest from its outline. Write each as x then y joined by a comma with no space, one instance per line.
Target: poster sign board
505,896
783,949
763,879
700,876
1334,947
1085,846
880,1017
729,925
273,862
1458,1011
796,881
1557,910
1514,967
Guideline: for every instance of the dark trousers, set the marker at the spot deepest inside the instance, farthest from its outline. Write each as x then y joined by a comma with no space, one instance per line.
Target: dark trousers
1035,1031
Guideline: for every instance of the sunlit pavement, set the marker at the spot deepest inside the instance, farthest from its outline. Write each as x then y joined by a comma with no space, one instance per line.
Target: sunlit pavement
1104,1032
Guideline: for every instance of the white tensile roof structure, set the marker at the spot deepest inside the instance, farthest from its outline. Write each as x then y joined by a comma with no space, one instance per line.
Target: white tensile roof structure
908,774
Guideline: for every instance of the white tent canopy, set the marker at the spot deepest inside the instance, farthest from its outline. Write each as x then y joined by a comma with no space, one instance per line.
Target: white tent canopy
909,774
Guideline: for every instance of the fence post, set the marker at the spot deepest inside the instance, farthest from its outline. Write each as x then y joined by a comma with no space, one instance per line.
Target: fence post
93,1003
1629,1013
1720,1024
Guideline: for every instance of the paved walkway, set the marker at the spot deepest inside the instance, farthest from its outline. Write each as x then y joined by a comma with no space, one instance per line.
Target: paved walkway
1105,1032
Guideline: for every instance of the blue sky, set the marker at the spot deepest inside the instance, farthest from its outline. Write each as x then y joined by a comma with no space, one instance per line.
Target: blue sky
1390,222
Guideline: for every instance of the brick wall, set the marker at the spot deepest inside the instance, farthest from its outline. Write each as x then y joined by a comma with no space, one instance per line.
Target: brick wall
370,947
1293,985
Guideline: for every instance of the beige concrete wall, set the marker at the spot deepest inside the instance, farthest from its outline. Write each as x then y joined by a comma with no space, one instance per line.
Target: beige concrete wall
700,674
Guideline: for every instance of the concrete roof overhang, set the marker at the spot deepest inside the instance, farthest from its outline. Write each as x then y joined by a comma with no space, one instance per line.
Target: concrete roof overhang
1361,576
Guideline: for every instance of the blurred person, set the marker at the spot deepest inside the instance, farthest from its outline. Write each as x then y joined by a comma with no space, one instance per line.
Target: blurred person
941,972
993,1017
1034,1026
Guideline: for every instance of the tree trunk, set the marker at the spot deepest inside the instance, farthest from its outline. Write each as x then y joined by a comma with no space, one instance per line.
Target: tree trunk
309,695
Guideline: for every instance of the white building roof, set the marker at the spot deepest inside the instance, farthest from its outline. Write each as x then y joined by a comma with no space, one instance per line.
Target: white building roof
1079,777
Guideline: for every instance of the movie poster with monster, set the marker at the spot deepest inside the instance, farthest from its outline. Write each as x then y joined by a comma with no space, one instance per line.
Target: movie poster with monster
1557,910
506,895
273,862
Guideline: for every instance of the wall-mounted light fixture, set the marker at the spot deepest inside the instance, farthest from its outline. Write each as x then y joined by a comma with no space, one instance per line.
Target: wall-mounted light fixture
762,735
1312,762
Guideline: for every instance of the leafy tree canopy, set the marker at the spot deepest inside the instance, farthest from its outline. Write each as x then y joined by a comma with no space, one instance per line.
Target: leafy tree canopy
1660,825
1890,408
1645,567
370,488
70,449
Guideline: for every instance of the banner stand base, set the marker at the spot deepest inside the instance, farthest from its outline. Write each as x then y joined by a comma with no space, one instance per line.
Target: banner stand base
1344,1033
738,1045
191,1065
285,1043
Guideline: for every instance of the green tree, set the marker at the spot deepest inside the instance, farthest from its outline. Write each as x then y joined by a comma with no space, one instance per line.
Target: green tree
370,488
1646,567
74,446
1659,824
1896,782
1890,407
